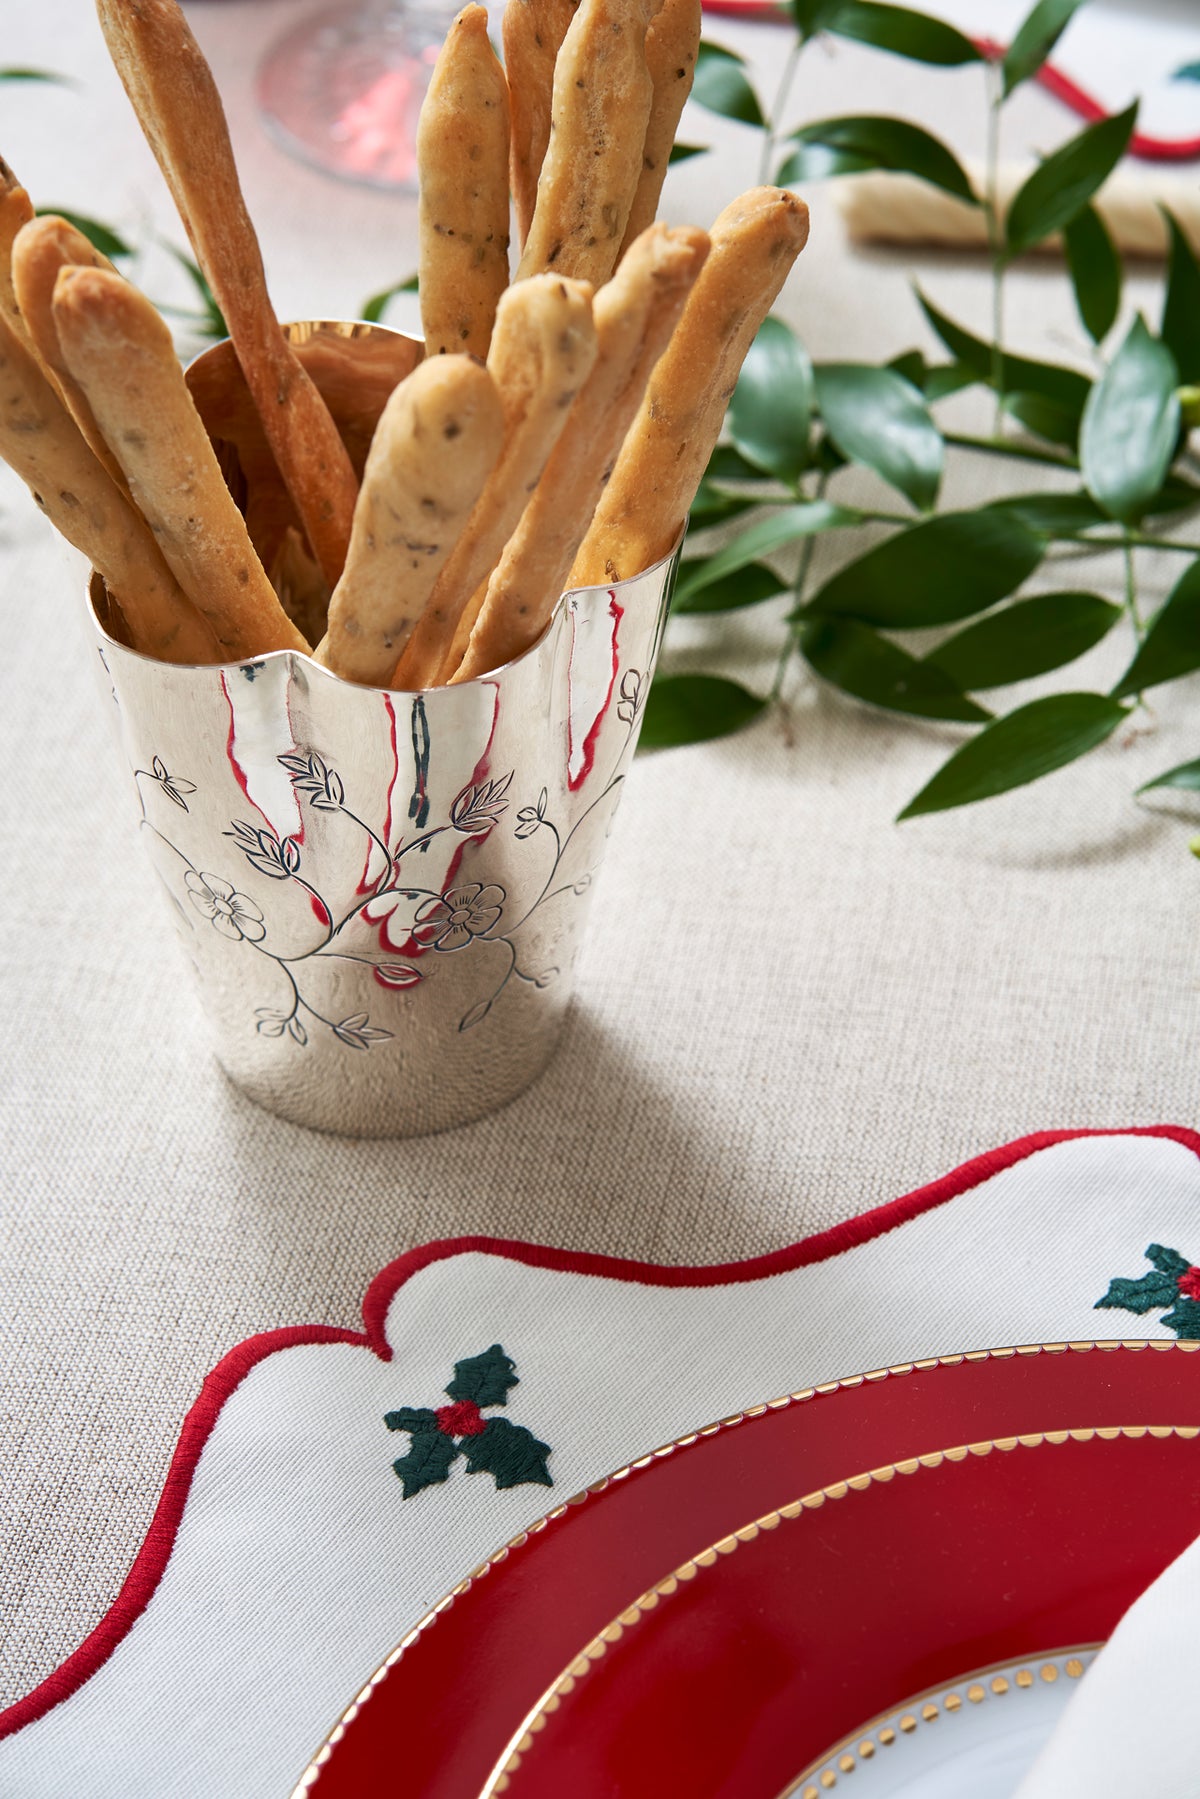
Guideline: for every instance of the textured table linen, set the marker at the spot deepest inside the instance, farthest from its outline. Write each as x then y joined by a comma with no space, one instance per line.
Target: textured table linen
788,1008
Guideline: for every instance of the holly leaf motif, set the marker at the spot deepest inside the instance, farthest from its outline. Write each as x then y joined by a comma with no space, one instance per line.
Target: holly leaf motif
511,1454
1183,1318
1158,1289
484,1378
427,1463
412,1418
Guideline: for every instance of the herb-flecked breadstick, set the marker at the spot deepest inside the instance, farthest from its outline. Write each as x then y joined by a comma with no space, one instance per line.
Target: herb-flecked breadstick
542,352
533,34
754,244
16,210
635,314
462,166
672,42
437,441
602,97
120,352
43,247
40,440
177,104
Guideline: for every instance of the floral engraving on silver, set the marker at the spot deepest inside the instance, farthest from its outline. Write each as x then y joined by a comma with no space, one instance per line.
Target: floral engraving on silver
382,894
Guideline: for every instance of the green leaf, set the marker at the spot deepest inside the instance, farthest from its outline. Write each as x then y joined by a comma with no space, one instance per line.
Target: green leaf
1019,748
727,464
877,418
374,308
428,1461
1095,270
1188,71
861,662
1055,514
936,572
812,16
903,32
1058,424
214,322
685,152
484,1378
102,237
771,407
508,1452
1035,39
1065,181
1017,373
712,507
1176,495
1025,639
782,526
44,75
1130,426
1146,1295
1186,776
720,84
1171,646
749,586
412,1418
694,709
1181,305
868,142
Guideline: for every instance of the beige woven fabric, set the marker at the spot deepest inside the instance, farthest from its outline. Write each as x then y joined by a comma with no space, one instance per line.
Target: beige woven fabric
788,1010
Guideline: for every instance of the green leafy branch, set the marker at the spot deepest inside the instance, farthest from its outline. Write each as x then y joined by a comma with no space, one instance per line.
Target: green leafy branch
1120,430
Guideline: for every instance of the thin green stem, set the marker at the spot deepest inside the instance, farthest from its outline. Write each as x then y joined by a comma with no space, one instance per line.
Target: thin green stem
798,585
771,128
991,207
1003,446
1131,598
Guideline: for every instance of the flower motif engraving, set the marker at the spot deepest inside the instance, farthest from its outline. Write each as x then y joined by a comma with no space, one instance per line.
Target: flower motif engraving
270,855
630,702
479,808
312,775
460,915
356,1033
174,786
531,818
229,912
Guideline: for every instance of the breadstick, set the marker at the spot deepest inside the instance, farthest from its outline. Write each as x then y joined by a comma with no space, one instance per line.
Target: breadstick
434,448
754,244
39,438
179,109
462,164
635,314
120,352
16,209
601,105
671,46
542,352
43,247
533,34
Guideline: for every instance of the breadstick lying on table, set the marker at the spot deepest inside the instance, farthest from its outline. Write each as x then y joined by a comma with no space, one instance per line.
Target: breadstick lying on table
635,314
434,447
533,32
16,210
177,104
754,244
672,43
542,352
40,250
39,439
462,165
601,107
120,352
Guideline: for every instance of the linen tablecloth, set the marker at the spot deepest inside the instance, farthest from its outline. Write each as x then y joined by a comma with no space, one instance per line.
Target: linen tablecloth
789,1009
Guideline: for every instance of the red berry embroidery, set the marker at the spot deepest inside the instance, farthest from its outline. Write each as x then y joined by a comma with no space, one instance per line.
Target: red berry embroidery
464,1419
1189,1283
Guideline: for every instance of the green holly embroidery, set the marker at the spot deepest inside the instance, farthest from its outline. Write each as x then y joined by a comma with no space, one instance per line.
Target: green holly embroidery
1175,1283
508,1452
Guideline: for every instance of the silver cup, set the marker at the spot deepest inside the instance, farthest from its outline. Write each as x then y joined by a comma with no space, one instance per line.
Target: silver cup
382,894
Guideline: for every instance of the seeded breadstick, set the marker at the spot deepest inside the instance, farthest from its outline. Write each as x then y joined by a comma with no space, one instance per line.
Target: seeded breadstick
41,249
602,96
434,448
462,164
39,438
533,34
120,352
542,352
671,45
179,109
635,314
754,244
16,209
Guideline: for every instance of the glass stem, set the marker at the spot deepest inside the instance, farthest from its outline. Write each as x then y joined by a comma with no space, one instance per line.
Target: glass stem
771,126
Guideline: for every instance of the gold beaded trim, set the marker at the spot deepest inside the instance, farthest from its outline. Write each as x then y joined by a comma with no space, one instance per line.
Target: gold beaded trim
985,1685
522,1742
313,1772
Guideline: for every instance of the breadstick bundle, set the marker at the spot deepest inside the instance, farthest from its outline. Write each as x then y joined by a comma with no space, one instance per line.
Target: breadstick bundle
553,433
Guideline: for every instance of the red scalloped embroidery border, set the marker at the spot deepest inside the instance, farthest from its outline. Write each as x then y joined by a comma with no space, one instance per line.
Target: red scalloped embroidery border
232,1369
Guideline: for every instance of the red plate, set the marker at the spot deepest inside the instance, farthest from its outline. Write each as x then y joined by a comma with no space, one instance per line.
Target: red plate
480,1662
762,1655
